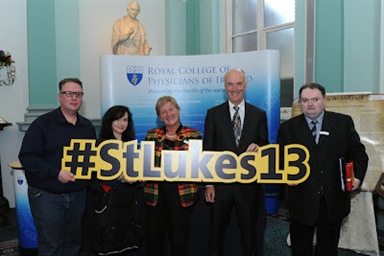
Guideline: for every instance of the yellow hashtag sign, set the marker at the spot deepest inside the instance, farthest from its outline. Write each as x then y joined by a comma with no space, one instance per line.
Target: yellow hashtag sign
113,158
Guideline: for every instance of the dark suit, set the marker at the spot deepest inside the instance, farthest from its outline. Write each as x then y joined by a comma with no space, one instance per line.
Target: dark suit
218,136
321,194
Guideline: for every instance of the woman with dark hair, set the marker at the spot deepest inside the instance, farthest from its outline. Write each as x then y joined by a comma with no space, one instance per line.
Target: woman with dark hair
117,123
110,220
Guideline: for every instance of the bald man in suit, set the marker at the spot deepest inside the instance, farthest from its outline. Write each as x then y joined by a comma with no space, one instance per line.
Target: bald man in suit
219,136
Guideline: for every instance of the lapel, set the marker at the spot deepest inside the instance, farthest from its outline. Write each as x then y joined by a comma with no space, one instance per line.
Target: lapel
160,138
304,132
326,128
246,126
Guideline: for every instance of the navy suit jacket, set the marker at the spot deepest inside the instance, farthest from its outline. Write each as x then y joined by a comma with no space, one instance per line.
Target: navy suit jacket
338,139
218,136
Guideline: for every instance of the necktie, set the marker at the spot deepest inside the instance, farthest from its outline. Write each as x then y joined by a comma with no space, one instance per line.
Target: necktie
236,125
313,130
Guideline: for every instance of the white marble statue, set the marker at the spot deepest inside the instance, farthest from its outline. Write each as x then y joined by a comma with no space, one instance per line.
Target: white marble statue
128,36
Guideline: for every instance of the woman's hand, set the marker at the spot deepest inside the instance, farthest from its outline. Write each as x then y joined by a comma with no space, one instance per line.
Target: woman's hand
124,180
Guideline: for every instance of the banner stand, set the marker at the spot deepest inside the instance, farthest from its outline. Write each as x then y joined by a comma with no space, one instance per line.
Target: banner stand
25,226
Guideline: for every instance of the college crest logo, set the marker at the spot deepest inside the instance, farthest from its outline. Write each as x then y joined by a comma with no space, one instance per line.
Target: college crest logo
20,180
134,74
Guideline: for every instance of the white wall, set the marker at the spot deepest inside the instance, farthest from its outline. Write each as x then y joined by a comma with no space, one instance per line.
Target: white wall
96,20
382,50
13,99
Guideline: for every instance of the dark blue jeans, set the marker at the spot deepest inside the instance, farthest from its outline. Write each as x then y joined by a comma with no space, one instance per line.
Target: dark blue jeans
58,220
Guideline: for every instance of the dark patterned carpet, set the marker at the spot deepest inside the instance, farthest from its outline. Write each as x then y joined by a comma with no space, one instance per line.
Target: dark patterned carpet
8,234
275,237
9,248
278,229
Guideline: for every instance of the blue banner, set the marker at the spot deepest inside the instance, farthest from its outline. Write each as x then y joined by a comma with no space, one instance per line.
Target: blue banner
196,82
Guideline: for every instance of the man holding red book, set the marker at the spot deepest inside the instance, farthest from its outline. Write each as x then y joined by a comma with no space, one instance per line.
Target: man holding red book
320,203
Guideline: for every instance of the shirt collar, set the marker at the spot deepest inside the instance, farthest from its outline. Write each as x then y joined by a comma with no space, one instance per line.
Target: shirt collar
241,105
61,118
319,119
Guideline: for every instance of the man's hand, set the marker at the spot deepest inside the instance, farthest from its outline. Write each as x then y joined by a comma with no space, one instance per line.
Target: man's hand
66,176
356,184
253,148
210,194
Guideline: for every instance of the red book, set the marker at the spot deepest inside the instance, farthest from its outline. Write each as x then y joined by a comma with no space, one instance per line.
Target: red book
347,174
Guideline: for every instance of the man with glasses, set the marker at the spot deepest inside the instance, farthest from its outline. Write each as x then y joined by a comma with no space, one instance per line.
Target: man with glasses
56,198
319,203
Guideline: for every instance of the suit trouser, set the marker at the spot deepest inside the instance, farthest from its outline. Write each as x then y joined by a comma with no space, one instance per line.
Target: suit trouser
327,233
246,212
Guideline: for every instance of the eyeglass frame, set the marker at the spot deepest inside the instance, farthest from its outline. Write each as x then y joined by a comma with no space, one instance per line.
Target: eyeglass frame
70,94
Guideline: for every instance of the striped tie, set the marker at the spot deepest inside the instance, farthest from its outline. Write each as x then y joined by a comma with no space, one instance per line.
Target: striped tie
313,130
236,125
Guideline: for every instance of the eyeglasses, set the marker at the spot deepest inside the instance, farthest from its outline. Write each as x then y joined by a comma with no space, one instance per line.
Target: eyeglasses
70,94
